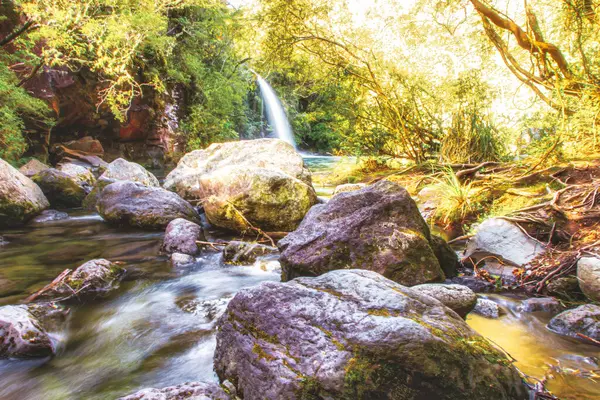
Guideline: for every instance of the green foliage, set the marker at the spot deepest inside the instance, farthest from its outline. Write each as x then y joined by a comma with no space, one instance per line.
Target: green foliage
15,106
456,199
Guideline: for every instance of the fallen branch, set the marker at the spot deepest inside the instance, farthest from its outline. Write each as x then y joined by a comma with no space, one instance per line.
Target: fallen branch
465,173
56,282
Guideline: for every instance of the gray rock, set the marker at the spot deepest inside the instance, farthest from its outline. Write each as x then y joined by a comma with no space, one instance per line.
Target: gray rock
20,198
378,228
50,216
565,286
81,174
33,167
258,183
353,334
545,304
190,390
456,297
181,260
22,335
181,236
62,190
503,239
474,283
95,278
588,274
487,308
244,253
129,203
584,320
349,187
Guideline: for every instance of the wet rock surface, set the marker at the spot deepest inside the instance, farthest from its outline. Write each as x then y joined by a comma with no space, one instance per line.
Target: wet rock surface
94,278
50,216
459,298
583,320
190,390
588,274
62,190
378,228
487,308
22,334
246,253
545,304
133,204
20,198
505,240
181,260
353,334
181,236
259,183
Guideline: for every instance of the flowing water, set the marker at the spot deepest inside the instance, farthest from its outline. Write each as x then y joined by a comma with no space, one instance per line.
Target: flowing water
276,115
158,328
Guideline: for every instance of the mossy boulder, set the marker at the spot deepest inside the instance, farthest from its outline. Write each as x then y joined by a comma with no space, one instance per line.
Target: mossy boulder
119,170
181,236
95,278
353,334
20,198
190,390
82,174
258,183
61,189
22,334
378,228
133,204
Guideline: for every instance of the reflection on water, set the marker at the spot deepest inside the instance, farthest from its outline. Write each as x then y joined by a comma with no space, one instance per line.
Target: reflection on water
157,330
538,351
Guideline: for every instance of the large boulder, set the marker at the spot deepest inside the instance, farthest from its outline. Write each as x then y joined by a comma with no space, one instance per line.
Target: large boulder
190,390
354,334
20,198
120,170
80,173
22,334
61,189
94,278
588,274
33,167
583,320
456,297
501,238
181,236
133,204
378,228
259,183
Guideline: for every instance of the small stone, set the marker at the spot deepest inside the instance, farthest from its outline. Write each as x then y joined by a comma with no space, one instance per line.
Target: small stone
487,308
474,283
181,260
181,236
545,304
583,320
588,274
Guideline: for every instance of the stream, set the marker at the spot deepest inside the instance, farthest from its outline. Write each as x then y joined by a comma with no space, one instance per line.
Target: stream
158,328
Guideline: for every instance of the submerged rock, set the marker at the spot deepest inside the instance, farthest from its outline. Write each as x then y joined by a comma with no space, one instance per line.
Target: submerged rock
456,297
349,187
22,334
181,236
129,203
181,260
20,198
588,274
583,320
190,390
246,253
504,240
378,228
261,183
353,334
95,278
49,216
62,190
33,167
487,308
544,304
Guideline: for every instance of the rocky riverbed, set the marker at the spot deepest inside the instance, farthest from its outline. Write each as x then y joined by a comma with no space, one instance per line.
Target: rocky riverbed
138,294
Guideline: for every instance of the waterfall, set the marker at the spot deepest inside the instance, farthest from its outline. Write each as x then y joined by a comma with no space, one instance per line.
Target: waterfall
275,113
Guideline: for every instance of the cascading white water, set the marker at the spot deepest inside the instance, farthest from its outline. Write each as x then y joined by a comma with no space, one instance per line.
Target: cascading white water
275,113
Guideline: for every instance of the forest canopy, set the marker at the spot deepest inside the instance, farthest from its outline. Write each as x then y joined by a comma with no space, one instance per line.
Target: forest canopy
459,81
